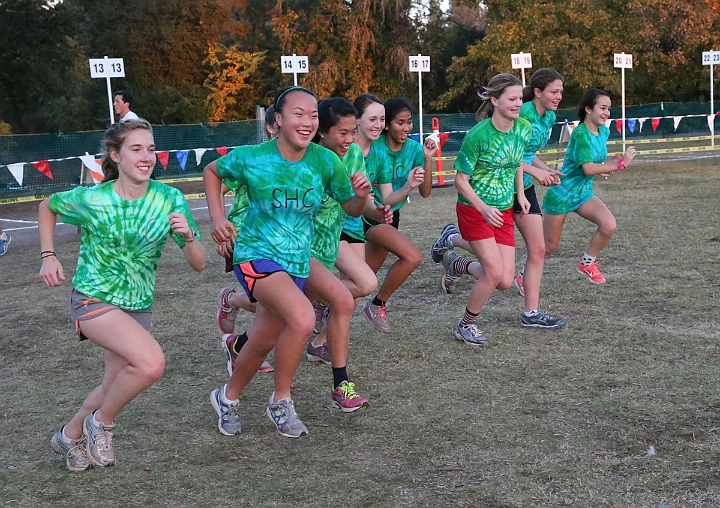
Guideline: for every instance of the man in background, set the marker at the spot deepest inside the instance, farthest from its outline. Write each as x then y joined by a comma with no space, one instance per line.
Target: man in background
122,102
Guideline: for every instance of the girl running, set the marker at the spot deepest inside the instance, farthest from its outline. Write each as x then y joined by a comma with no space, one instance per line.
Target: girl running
230,300
541,99
488,163
337,130
125,222
285,180
407,166
585,158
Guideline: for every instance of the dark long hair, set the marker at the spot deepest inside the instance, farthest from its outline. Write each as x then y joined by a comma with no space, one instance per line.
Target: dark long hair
589,100
540,79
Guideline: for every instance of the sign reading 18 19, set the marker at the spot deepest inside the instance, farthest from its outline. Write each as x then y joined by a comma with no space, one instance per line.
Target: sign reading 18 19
107,68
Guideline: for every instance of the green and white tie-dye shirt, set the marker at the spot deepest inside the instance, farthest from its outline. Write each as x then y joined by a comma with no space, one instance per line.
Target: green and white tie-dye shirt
399,164
373,165
122,240
541,128
330,217
283,199
491,158
576,187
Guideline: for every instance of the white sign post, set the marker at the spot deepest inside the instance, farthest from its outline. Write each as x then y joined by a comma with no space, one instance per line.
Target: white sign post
294,65
623,62
521,61
107,68
420,64
711,58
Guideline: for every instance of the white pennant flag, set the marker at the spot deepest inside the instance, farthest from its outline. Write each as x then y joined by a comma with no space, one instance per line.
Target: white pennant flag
676,121
608,123
711,122
641,121
199,152
96,171
17,172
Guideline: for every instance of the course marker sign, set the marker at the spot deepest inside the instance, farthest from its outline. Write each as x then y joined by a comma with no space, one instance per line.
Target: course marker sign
107,68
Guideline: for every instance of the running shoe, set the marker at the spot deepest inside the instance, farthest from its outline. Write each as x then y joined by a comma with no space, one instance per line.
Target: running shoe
99,441
346,398
449,278
226,312
321,313
470,334
227,343
376,316
442,244
318,353
542,320
593,272
5,240
76,456
519,281
283,415
228,418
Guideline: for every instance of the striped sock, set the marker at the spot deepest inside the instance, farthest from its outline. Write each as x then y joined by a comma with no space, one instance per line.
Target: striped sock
460,265
469,318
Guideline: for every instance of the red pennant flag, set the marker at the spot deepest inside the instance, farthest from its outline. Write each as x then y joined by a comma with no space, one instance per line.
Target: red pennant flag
163,158
655,122
222,150
618,124
443,138
44,168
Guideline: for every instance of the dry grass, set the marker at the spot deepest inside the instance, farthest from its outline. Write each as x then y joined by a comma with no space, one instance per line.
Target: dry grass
534,419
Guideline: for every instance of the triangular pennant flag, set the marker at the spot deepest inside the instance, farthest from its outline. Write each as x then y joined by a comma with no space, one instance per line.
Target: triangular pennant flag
577,122
711,122
94,165
199,152
163,157
222,150
607,122
676,121
641,121
631,124
443,137
619,124
655,122
182,156
44,168
17,172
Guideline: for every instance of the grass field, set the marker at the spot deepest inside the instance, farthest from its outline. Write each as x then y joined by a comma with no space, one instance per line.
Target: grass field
533,419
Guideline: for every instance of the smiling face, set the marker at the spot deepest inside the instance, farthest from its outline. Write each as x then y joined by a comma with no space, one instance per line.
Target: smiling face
399,129
550,97
136,157
600,112
372,122
298,121
340,136
120,107
509,103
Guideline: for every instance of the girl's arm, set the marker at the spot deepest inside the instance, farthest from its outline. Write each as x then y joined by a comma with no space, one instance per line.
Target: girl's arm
491,214
520,189
429,149
222,229
591,168
542,173
51,271
193,249
416,178
356,205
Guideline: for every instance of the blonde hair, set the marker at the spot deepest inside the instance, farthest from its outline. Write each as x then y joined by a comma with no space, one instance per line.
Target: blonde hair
495,88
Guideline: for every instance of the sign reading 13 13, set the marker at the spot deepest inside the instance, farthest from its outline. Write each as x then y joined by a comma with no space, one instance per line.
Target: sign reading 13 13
107,68
419,63
294,64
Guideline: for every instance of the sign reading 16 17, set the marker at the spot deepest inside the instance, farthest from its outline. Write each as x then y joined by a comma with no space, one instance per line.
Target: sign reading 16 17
107,68
419,63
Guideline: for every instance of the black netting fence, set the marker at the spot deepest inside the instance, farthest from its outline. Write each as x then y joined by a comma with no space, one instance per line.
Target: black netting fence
191,147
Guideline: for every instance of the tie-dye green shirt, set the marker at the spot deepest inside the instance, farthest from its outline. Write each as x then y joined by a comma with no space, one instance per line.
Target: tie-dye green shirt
283,199
400,163
576,187
541,128
238,208
331,217
491,158
122,240
373,165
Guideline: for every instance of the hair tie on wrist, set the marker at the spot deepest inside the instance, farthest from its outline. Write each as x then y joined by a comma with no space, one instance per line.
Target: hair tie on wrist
47,253
620,163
